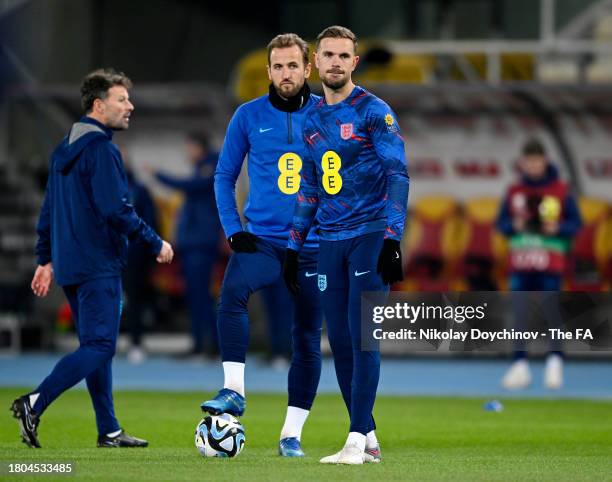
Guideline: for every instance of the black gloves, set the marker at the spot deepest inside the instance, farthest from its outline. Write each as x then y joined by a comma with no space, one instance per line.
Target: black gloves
390,262
243,242
290,271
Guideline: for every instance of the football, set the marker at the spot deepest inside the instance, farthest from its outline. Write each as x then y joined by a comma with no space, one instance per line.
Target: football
219,436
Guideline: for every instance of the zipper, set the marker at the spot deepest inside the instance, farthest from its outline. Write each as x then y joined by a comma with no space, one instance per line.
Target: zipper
289,129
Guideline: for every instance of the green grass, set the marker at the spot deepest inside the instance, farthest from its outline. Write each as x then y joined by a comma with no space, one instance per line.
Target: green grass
421,438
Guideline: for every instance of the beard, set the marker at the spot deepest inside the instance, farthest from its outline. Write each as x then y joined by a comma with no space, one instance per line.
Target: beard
119,124
334,84
288,90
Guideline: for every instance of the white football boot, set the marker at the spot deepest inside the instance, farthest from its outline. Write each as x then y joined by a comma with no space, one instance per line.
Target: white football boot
553,372
351,454
518,376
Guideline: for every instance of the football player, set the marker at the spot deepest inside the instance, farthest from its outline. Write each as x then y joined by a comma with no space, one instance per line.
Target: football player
269,131
355,181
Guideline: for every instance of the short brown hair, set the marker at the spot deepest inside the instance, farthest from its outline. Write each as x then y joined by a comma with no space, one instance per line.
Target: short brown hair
285,40
96,84
336,31
534,147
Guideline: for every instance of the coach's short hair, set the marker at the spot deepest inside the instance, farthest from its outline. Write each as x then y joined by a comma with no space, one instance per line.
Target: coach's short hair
336,31
285,40
96,84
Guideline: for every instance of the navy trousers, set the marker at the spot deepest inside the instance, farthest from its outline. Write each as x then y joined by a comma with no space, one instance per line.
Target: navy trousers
249,272
96,309
524,282
346,269
279,310
197,265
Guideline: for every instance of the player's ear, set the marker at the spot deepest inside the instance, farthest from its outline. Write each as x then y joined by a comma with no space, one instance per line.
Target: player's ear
307,70
269,72
98,106
315,57
355,61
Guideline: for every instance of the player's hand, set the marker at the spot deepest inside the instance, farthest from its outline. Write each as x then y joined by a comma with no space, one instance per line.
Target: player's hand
43,277
390,262
290,271
165,253
550,228
243,242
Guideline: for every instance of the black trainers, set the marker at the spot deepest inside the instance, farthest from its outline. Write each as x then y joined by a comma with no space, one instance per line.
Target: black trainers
28,421
121,440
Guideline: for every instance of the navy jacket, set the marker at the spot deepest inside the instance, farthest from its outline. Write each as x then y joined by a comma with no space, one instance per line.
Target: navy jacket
198,224
86,217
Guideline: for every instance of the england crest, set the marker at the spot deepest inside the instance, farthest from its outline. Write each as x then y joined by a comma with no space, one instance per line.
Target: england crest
322,282
346,131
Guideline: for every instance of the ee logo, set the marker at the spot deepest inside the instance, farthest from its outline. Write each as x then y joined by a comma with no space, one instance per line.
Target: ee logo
331,164
289,165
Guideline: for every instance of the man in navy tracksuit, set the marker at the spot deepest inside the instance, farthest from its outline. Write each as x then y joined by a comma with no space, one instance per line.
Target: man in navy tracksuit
83,230
197,240
269,130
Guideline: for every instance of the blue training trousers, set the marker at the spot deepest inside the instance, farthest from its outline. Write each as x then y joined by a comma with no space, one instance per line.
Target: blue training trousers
249,272
347,268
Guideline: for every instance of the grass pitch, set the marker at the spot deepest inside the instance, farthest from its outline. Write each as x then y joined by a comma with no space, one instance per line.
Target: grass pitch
421,439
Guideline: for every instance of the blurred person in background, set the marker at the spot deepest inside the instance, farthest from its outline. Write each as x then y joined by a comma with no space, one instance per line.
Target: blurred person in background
83,230
269,130
197,239
539,215
137,275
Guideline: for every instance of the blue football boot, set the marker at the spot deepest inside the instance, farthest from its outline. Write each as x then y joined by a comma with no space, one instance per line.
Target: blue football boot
290,447
226,401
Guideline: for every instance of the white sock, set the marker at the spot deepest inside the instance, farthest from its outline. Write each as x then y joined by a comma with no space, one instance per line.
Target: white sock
356,438
294,422
113,434
234,376
33,398
371,440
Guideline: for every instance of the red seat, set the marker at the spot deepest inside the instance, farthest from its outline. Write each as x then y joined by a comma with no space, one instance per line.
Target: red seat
481,250
586,270
428,244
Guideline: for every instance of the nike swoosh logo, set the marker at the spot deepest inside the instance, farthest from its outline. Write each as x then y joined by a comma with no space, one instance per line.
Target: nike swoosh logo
396,255
309,275
261,131
357,273
313,136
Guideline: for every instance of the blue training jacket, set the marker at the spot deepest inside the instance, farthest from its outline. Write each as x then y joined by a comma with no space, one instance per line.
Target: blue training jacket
86,217
198,224
275,146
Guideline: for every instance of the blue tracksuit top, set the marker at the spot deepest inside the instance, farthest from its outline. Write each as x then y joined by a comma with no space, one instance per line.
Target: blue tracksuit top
355,178
275,146
198,223
86,217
